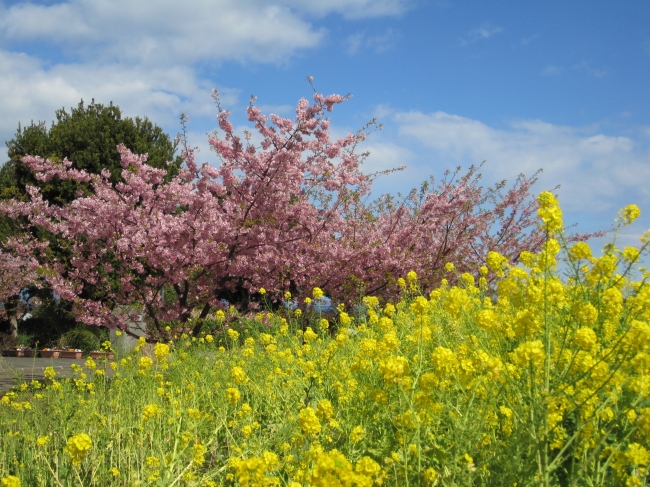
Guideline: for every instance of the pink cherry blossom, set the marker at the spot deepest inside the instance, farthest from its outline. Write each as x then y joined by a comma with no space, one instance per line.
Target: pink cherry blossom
290,213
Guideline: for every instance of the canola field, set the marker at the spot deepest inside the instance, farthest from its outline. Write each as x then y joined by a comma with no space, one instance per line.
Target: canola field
516,376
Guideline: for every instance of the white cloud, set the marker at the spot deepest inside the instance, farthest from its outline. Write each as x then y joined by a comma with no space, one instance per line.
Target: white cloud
143,55
379,43
585,66
354,42
30,91
482,33
551,70
385,156
383,110
286,111
527,40
592,169
164,32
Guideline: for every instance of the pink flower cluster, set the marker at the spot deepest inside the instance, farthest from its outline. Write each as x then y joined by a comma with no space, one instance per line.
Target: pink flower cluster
287,215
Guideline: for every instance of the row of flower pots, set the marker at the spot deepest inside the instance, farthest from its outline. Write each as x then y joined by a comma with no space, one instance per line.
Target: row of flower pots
55,353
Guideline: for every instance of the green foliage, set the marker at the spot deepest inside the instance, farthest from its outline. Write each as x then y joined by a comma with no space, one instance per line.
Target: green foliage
88,137
83,337
49,321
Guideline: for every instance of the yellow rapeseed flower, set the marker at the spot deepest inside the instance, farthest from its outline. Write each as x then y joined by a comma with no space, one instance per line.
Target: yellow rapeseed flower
628,214
42,440
630,254
161,351
580,251
549,212
324,409
194,413
486,319
419,306
431,476
78,447
357,434
238,375
394,368
10,481
309,335
528,352
334,465
145,363
345,319
150,411
233,395
369,469
639,335
324,325
308,421
444,361
49,373
495,261
637,455
585,338
198,452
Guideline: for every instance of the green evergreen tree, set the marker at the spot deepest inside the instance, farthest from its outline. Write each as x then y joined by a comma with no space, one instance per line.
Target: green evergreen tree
88,137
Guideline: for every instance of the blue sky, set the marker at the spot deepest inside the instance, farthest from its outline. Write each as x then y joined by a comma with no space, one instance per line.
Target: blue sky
560,86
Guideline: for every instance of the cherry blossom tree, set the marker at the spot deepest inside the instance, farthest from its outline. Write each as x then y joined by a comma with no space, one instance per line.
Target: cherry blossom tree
287,215
18,270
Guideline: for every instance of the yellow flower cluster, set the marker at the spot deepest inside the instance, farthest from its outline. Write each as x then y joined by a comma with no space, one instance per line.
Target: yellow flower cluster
549,212
78,447
10,481
628,214
161,351
151,411
444,386
309,422
394,368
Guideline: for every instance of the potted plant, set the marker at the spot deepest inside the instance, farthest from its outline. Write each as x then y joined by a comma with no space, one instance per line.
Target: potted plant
71,353
99,355
106,352
50,353
14,352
